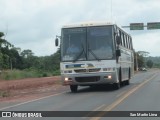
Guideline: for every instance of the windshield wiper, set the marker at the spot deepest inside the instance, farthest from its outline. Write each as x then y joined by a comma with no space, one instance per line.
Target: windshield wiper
80,54
90,50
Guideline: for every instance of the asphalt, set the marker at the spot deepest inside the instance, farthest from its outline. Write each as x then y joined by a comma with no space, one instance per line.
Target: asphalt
141,95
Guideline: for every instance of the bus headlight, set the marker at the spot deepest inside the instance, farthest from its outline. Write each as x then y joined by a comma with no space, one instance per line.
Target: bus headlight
108,77
67,79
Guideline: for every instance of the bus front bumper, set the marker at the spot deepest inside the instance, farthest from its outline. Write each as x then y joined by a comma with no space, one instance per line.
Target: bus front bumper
89,79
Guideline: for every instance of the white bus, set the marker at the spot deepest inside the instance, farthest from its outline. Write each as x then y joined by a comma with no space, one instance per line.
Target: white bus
95,54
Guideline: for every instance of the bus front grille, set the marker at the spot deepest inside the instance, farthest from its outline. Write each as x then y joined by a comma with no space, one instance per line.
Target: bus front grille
88,79
87,70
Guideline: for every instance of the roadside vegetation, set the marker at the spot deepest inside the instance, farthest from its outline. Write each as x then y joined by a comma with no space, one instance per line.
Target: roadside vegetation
146,61
27,73
4,93
16,63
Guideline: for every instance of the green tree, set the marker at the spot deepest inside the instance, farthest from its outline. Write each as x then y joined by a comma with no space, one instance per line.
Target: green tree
150,63
12,58
4,52
49,63
141,62
27,53
1,60
15,58
143,56
3,42
138,60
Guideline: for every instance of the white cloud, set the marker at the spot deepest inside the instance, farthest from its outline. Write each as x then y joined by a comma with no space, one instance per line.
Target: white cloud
33,24
147,42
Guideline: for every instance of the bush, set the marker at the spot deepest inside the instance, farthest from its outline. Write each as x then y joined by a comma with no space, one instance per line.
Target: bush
4,93
57,72
17,74
44,75
27,73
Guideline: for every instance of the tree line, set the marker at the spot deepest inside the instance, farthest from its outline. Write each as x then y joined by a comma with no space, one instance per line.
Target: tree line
13,58
141,59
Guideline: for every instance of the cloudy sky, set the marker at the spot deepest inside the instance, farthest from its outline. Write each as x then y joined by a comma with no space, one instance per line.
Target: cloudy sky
33,24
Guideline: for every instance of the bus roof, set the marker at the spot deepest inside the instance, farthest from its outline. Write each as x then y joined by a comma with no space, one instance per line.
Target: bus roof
86,24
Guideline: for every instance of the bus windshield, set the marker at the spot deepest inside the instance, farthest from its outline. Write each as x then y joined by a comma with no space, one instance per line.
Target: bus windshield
87,43
73,44
100,42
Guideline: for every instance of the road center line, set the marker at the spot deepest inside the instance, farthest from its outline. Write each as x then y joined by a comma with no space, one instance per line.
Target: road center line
96,109
120,94
121,99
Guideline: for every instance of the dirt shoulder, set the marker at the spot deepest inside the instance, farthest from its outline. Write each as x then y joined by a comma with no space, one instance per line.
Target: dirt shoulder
28,89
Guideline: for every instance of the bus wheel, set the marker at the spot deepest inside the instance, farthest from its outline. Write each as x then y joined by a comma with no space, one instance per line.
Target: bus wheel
73,88
116,86
129,77
127,82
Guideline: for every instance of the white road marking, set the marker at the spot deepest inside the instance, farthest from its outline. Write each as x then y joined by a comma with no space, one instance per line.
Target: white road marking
31,101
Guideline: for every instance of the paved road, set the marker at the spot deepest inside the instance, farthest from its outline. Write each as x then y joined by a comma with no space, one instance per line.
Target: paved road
141,95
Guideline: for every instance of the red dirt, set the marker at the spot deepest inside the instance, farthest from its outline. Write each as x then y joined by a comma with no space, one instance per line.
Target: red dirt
28,89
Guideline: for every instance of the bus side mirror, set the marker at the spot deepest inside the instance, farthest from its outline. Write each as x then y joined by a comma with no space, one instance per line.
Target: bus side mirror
118,40
118,53
56,42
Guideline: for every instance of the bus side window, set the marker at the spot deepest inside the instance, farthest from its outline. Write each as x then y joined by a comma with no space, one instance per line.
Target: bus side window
124,40
129,41
131,44
121,38
126,44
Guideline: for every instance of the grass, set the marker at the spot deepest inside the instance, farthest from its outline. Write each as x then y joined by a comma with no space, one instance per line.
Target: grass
28,73
4,93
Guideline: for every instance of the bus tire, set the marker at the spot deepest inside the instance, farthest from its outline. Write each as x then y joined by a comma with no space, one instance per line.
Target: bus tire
129,77
73,88
116,86
127,82
120,77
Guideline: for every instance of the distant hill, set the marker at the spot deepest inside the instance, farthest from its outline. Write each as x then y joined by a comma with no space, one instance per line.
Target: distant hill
156,61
